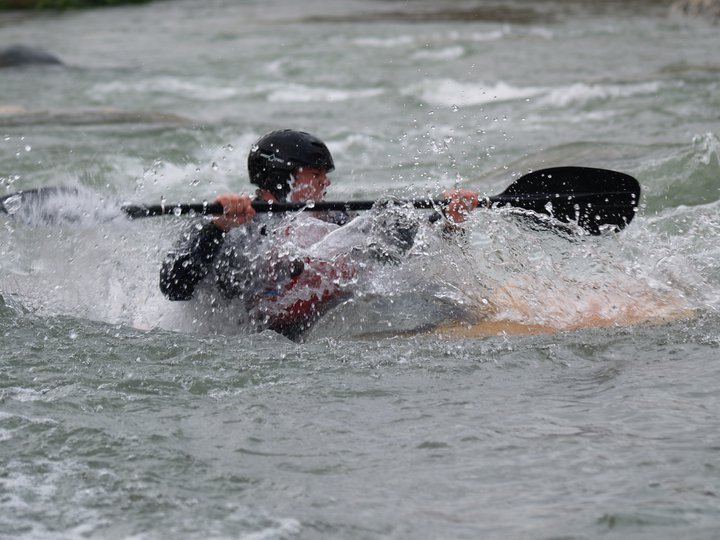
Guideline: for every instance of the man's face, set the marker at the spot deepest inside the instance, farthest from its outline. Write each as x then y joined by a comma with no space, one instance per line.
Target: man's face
309,185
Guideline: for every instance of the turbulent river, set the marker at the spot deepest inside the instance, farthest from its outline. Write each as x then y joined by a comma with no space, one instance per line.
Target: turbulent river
587,407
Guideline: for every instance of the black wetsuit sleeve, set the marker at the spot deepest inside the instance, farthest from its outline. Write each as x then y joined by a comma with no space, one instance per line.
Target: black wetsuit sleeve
189,262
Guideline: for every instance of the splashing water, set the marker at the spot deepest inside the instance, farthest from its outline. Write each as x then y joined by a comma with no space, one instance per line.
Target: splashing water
507,267
50,206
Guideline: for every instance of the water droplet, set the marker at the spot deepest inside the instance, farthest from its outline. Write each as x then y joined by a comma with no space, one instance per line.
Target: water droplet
214,166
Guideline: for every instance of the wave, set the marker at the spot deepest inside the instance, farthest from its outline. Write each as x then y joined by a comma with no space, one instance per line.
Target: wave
581,93
448,53
199,89
297,93
449,92
406,40
684,174
385,42
443,92
706,149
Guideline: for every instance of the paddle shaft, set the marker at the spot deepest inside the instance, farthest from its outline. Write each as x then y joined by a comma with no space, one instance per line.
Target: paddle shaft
215,209
595,198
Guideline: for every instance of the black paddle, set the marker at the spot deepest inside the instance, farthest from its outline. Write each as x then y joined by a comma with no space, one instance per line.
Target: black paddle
596,198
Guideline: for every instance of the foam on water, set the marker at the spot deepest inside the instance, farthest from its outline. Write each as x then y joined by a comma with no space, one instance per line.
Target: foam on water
434,40
449,92
447,53
24,498
199,89
289,93
580,93
385,42
284,528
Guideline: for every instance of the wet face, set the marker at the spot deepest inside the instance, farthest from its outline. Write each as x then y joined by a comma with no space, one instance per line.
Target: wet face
309,185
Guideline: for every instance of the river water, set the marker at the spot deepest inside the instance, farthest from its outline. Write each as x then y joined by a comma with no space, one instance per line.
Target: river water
123,415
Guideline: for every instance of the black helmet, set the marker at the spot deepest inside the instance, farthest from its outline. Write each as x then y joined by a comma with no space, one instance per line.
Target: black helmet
278,154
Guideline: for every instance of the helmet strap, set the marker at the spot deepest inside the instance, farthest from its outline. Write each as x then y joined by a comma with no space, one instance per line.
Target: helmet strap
278,183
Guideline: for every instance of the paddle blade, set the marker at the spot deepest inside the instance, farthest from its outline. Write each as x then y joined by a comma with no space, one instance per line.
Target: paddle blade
597,199
58,205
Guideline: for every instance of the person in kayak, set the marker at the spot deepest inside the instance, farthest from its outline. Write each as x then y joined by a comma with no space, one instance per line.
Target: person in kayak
254,258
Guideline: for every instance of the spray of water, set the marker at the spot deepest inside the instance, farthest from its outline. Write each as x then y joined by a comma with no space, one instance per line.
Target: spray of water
507,271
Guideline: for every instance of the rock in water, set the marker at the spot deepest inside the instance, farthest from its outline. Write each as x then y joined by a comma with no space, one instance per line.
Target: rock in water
22,55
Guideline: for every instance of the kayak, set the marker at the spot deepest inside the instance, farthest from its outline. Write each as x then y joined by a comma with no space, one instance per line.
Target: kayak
513,315
513,309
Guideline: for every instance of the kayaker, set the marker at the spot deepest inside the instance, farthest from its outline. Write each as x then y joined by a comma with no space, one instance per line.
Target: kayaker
243,255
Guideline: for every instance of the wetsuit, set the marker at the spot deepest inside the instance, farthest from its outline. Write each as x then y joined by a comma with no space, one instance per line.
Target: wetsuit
288,270
282,288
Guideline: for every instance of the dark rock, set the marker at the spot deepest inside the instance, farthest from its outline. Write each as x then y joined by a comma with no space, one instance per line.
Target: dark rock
22,55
